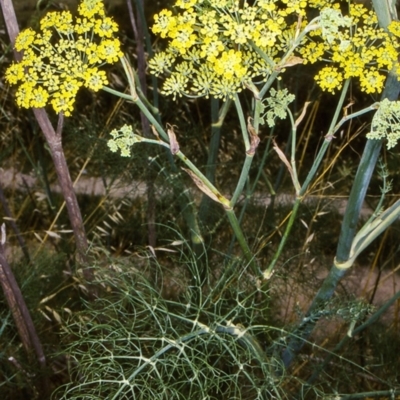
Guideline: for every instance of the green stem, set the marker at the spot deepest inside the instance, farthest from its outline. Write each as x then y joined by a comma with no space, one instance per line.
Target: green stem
348,231
242,179
203,181
285,62
217,119
249,151
317,162
242,121
350,220
386,11
268,272
142,107
242,240
117,93
327,140
356,198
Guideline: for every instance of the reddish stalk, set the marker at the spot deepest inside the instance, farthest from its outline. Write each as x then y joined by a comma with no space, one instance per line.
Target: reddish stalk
19,310
54,140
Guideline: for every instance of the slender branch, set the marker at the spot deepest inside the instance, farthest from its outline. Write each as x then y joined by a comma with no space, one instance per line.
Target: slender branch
310,176
327,140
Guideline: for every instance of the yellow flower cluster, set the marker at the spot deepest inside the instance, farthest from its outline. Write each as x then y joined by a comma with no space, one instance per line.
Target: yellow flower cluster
356,48
216,46
64,56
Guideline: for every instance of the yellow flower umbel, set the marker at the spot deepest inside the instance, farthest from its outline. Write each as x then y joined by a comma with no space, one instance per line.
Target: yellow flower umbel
64,56
354,46
217,47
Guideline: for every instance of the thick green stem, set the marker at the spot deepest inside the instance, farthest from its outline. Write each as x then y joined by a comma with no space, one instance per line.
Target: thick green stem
237,230
356,198
348,231
386,11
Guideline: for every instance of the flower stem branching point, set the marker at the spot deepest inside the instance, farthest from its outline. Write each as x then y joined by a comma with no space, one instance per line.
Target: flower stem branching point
64,56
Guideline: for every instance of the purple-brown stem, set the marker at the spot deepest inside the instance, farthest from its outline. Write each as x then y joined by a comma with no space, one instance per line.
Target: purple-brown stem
19,309
54,141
